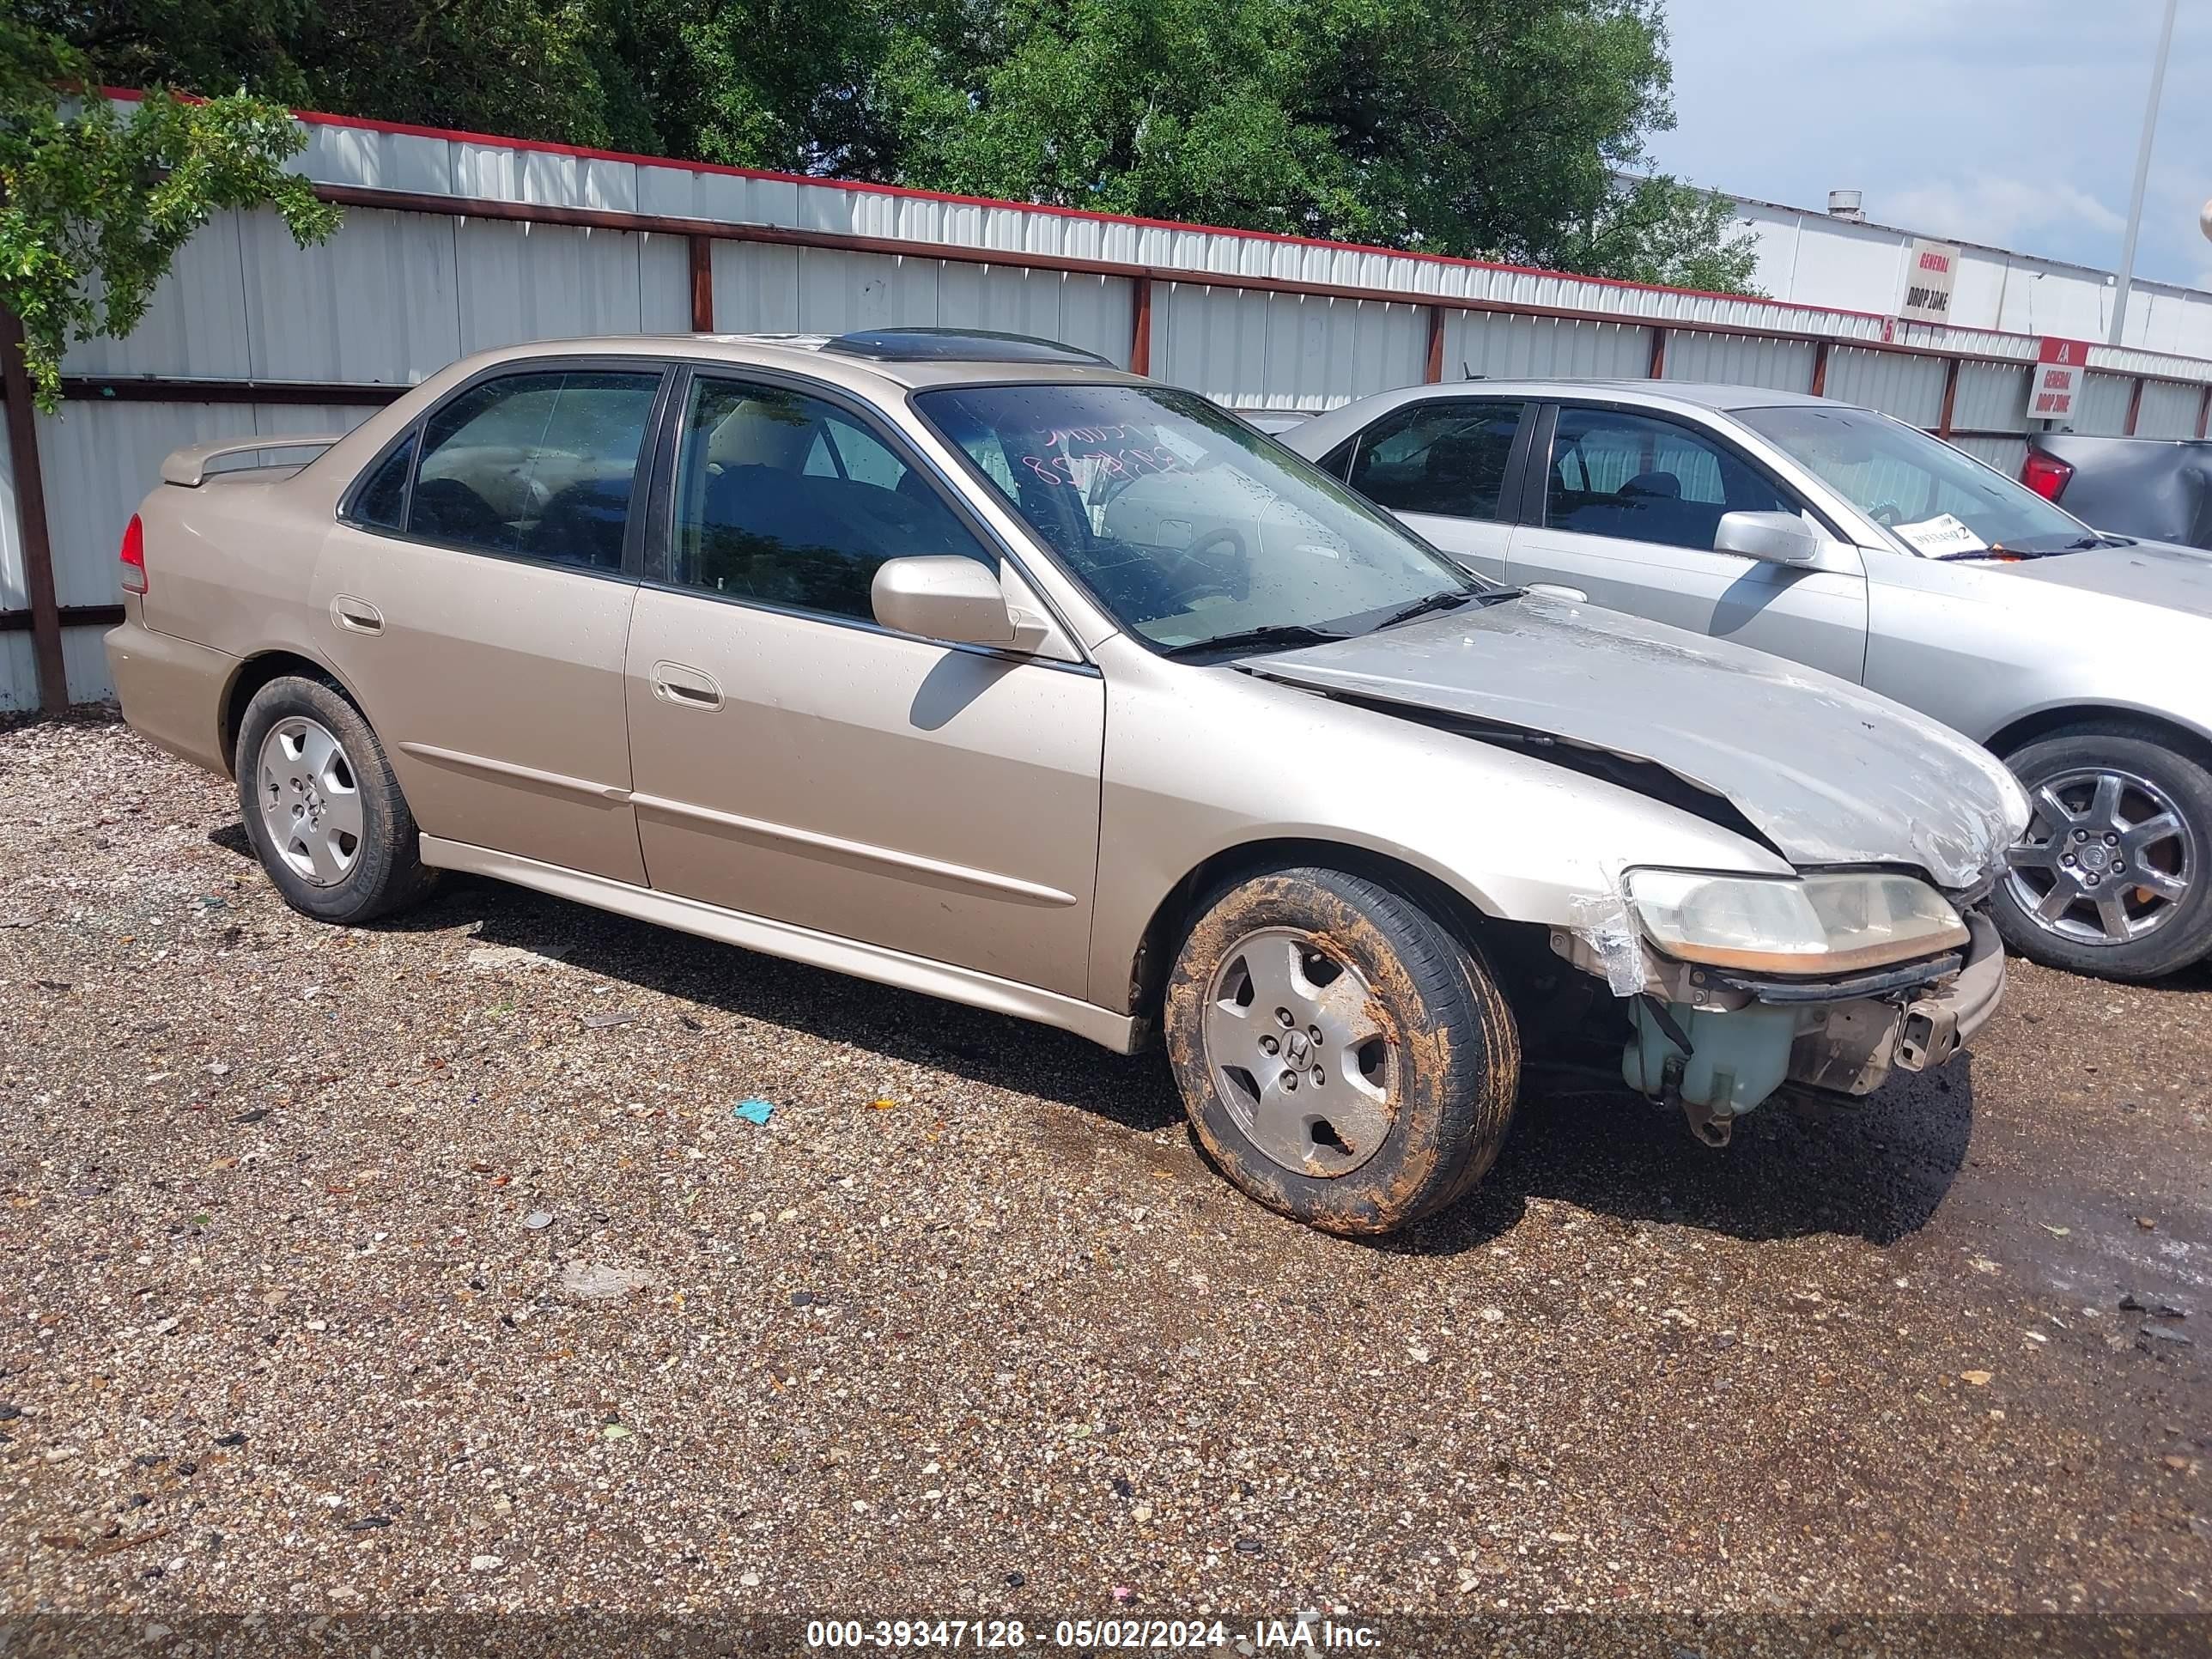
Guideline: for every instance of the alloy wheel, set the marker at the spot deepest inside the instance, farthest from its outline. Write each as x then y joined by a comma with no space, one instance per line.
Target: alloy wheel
310,801
2107,860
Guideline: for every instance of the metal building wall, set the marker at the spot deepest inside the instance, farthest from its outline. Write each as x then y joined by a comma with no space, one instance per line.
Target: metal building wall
90,446
2102,407
453,242
1809,257
2168,411
1737,360
763,288
1911,388
1258,350
1991,397
1498,345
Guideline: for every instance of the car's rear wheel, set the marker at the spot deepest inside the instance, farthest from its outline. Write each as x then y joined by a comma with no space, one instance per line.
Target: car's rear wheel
1344,1058
321,807
2110,878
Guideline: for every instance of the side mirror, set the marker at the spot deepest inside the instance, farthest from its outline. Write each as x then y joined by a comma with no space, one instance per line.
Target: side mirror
1775,537
942,597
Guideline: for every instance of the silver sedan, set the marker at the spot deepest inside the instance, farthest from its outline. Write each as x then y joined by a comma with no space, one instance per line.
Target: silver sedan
1860,545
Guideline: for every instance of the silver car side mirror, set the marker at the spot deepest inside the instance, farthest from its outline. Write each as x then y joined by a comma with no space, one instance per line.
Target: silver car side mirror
942,597
1775,537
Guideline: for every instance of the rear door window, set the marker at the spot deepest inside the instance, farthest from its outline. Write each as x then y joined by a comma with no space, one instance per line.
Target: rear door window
1638,478
787,500
538,465
1449,458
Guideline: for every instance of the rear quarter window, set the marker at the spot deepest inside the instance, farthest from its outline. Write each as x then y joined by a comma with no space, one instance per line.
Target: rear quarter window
540,466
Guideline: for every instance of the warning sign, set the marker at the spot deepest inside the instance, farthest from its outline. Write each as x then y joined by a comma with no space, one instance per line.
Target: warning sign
1932,271
2060,366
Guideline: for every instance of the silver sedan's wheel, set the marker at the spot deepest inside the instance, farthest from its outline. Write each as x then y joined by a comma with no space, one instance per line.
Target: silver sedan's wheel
2109,859
310,799
1296,1044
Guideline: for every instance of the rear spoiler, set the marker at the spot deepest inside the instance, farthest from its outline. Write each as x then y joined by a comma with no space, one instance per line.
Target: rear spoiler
189,466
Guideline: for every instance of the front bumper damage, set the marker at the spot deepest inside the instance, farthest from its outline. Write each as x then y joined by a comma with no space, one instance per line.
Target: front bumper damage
1718,1043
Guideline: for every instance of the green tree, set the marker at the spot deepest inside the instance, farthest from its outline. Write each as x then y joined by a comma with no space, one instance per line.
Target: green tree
1495,128
1511,130
95,199
528,69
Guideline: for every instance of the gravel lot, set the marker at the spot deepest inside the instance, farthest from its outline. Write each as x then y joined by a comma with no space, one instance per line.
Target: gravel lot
426,1266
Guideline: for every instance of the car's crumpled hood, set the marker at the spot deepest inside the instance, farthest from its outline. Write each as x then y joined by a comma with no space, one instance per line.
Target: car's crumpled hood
2156,573
1830,773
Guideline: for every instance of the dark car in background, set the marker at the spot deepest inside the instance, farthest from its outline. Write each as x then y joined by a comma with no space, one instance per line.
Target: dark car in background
2159,488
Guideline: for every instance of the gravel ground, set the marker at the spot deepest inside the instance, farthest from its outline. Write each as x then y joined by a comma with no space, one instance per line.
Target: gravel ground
426,1266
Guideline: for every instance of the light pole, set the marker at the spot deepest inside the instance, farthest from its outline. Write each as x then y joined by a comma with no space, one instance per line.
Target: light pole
2142,174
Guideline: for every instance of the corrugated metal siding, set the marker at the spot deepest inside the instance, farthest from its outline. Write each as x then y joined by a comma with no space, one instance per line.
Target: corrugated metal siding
472,166
195,322
13,595
1807,256
1258,351
1992,398
1911,388
2102,407
396,297
99,458
1500,345
385,310
19,670
521,283
2168,410
777,289
2006,454
1781,365
19,677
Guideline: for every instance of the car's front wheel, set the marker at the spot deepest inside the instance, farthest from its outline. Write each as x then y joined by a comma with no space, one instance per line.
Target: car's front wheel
2111,877
321,807
1344,1057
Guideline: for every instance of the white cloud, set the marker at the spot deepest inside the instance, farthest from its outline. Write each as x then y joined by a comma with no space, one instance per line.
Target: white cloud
1992,208
2012,122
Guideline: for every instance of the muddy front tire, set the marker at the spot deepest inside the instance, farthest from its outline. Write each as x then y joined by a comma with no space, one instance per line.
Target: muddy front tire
1345,1059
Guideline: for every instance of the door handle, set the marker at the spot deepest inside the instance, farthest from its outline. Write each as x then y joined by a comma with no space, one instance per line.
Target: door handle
690,688
356,616
1559,591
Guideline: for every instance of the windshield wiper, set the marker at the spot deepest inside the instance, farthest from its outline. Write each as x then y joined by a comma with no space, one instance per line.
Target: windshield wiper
1251,639
2000,550
1450,599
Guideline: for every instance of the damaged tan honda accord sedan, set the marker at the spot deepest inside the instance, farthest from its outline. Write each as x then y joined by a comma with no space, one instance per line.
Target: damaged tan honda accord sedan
969,663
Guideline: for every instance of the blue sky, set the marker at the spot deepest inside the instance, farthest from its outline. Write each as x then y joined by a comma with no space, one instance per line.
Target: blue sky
2010,122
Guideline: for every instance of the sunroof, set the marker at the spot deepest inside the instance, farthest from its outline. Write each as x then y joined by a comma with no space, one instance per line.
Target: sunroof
960,345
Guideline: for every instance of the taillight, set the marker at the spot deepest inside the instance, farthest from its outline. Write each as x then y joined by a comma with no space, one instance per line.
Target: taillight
2046,475
134,556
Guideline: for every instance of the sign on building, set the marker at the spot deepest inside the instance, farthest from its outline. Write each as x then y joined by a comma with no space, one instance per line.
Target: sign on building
2060,366
1931,271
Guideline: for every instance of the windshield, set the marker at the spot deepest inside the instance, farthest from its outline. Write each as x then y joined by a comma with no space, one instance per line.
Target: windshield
1187,525
1935,499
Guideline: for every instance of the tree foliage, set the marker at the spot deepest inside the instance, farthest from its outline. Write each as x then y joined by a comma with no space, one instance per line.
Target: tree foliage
1505,129
96,198
1496,128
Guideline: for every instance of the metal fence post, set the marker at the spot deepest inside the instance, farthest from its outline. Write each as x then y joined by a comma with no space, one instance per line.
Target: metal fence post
1140,327
31,517
702,283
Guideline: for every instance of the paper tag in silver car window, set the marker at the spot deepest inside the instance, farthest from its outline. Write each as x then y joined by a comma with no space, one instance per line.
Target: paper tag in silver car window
1940,536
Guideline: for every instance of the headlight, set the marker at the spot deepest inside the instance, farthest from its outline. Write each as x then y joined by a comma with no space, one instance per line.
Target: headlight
1826,924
